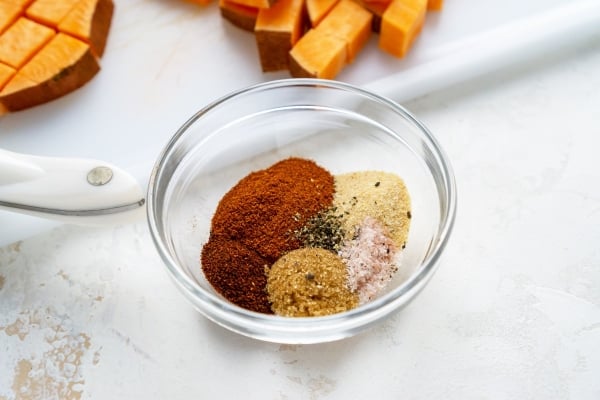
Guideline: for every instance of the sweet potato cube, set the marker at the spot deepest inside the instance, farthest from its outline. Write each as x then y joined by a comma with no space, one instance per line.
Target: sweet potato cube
255,3
377,9
15,94
277,29
241,16
21,3
9,13
16,84
435,5
89,21
318,55
317,9
61,53
50,12
22,40
350,22
6,73
400,24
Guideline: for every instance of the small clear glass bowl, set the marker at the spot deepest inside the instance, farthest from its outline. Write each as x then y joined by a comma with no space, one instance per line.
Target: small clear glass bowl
341,127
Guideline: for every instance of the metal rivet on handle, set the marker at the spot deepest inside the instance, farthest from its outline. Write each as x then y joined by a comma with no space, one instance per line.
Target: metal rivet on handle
99,176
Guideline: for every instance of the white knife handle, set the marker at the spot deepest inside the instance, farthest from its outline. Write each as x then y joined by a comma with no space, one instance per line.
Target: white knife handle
70,190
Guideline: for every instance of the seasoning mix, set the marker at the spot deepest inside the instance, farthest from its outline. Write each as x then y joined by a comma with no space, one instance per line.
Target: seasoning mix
296,241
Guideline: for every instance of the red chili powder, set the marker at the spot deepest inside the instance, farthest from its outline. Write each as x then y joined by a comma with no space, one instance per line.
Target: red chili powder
265,208
237,273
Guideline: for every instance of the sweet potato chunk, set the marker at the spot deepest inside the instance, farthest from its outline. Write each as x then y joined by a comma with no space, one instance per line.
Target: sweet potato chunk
435,5
277,29
350,22
401,22
241,16
317,9
318,55
62,66
50,12
377,9
49,48
9,13
6,73
89,21
255,3
21,3
22,40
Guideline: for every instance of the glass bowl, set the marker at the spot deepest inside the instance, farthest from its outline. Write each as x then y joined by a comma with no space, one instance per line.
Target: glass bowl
341,127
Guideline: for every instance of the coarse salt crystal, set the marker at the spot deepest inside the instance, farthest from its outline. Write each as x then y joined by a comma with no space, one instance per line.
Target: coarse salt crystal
369,258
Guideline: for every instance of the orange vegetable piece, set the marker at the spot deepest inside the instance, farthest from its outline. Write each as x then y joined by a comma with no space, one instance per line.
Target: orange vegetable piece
62,66
6,73
11,96
22,40
317,9
50,12
350,22
241,16
50,49
377,8
318,55
255,3
400,24
21,3
9,13
89,21
55,59
201,2
277,29
435,5
18,83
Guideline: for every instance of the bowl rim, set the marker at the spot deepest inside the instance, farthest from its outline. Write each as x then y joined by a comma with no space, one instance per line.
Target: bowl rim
306,329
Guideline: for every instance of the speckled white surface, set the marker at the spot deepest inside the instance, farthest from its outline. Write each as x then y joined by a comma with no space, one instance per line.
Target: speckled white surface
512,313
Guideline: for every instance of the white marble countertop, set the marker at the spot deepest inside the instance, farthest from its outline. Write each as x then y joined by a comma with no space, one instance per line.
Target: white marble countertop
512,313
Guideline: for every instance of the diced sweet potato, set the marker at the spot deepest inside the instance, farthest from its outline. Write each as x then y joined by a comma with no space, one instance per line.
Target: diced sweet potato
49,48
350,22
22,40
241,16
317,9
89,21
201,2
62,66
6,73
50,12
377,9
435,5
277,29
255,3
21,3
9,13
318,55
401,22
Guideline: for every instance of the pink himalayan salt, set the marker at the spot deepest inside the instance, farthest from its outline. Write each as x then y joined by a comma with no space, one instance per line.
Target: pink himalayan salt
370,259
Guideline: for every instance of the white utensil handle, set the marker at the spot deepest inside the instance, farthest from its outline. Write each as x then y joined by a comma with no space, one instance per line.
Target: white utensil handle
498,48
67,189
